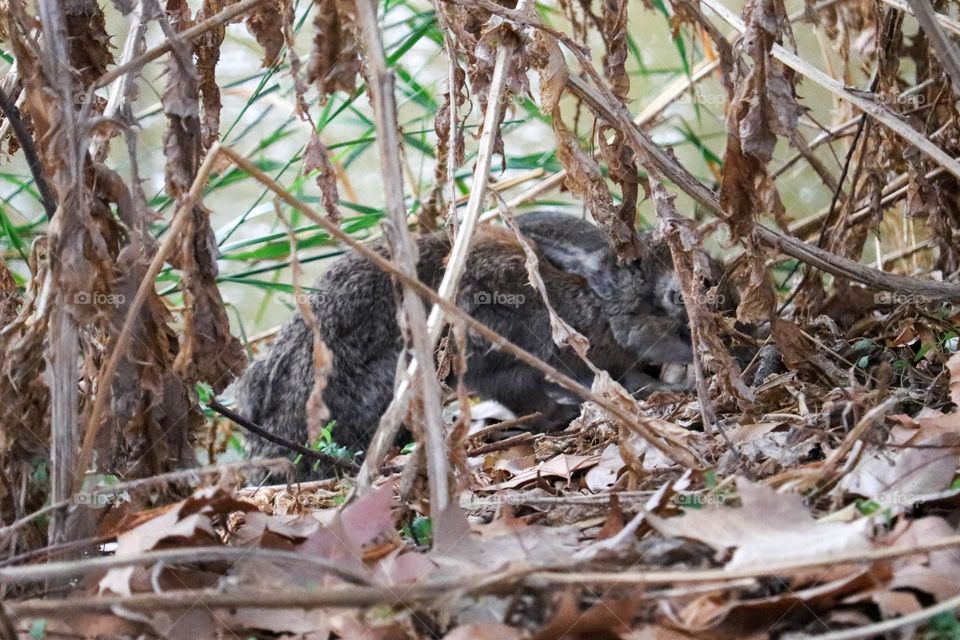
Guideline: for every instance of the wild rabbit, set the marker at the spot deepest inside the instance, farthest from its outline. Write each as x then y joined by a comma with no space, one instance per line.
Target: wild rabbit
632,314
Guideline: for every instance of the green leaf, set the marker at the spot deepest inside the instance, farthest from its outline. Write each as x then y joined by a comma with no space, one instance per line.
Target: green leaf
421,531
38,629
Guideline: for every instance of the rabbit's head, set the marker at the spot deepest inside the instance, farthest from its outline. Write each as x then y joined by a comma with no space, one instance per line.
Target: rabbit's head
642,299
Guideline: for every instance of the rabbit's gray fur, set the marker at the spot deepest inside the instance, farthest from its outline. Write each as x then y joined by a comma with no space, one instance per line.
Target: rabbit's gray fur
632,315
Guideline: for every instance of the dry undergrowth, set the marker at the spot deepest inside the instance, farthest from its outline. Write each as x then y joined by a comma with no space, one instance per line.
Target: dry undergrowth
807,488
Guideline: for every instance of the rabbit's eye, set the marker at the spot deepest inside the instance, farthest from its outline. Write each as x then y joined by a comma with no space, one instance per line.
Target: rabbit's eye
672,298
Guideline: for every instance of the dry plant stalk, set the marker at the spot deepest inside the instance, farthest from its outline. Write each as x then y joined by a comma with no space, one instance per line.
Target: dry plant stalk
388,427
380,81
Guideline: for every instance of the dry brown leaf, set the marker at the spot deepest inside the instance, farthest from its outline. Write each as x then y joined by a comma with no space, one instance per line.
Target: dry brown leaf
607,617
758,301
732,618
800,354
613,29
334,60
763,106
640,455
484,631
936,573
605,474
953,366
899,478
265,22
89,42
363,528
317,158
693,269
769,527
553,70
585,179
207,50
188,523
460,549
561,466
9,295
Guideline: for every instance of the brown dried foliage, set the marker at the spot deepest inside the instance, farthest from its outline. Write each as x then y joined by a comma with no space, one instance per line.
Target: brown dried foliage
334,61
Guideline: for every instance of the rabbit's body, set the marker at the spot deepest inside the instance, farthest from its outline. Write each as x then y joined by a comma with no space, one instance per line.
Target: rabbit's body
630,314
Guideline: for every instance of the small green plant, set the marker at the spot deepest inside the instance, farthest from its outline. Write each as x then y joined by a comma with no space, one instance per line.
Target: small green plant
38,629
867,507
944,627
327,445
420,531
41,472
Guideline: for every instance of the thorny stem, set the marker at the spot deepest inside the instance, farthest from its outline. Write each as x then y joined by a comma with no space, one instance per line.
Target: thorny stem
187,35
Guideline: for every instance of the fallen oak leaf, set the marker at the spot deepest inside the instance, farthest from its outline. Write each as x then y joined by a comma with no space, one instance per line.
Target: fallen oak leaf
484,631
560,466
769,527
953,365
900,478
741,618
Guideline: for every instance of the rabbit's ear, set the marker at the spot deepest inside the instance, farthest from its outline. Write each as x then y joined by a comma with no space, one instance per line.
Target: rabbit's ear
593,266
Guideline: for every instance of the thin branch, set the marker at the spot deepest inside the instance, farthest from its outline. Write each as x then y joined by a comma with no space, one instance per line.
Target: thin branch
946,22
617,116
269,436
456,263
185,555
191,475
873,110
25,140
188,35
355,596
946,49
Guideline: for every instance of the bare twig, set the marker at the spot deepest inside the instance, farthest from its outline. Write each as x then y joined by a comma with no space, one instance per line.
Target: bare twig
259,431
63,348
946,22
881,629
354,596
185,475
456,263
826,475
873,110
184,555
676,173
187,35
948,55
25,140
